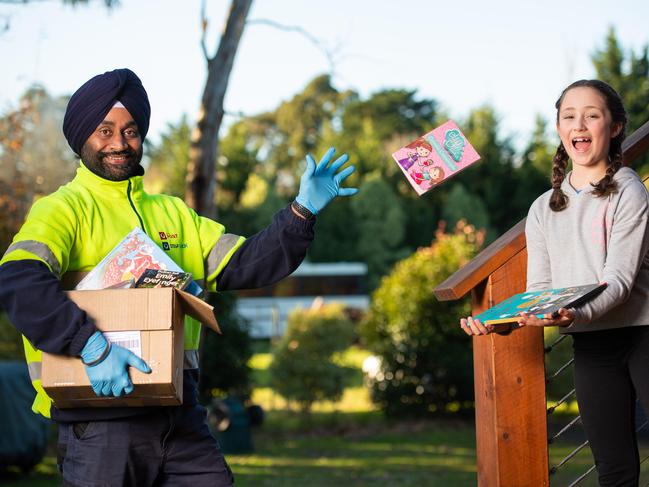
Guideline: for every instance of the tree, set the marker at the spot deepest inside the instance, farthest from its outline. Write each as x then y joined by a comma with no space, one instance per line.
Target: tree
493,178
533,174
237,162
34,159
380,219
372,129
376,127
168,160
630,78
462,205
201,182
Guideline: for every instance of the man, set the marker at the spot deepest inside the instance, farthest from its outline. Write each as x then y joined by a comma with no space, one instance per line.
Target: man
105,123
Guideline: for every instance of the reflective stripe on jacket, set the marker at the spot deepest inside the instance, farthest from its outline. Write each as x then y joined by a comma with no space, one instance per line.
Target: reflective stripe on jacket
75,227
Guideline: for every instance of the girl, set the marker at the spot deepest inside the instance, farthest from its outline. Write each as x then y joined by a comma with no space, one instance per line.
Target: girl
592,227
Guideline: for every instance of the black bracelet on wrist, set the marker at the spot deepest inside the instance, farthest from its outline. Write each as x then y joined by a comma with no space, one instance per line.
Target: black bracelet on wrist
101,358
302,210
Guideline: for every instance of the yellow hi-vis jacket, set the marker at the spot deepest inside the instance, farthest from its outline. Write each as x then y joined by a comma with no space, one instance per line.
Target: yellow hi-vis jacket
73,228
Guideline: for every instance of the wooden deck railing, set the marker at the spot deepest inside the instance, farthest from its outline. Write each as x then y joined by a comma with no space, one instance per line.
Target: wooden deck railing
509,370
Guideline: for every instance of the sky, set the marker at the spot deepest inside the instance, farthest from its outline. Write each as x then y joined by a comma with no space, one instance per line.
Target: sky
515,55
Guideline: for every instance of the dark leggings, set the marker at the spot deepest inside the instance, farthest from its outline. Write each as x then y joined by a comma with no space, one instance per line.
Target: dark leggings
611,371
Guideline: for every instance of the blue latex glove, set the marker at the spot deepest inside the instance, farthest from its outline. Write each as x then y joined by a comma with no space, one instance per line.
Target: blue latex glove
110,377
320,184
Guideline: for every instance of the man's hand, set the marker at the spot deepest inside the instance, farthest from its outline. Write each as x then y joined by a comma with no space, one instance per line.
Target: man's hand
107,366
321,183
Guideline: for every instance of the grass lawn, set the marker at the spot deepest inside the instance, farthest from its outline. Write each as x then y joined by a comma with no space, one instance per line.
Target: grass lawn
346,449
357,450
349,443
351,450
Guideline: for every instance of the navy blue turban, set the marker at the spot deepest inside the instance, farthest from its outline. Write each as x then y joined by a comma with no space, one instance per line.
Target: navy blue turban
89,105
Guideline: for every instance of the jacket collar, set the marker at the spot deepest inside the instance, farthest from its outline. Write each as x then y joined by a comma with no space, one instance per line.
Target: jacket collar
113,189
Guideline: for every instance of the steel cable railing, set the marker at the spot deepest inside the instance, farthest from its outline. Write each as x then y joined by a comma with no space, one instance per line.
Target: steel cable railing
590,470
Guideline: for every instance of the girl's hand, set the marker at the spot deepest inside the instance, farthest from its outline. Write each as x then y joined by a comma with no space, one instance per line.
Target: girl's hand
474,327
563,317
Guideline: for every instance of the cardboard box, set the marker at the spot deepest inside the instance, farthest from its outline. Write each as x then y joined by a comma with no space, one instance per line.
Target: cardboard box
152,318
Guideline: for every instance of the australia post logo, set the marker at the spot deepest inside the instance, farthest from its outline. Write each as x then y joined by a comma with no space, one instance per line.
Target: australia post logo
170,241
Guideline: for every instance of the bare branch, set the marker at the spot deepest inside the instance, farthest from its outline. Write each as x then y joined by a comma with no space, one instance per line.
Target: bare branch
330,54
201,181
107,3
204,24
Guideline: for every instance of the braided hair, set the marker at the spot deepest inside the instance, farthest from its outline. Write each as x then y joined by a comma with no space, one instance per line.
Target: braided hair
606,185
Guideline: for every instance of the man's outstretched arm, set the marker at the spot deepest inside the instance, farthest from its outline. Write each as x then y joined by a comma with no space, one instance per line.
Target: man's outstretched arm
278,250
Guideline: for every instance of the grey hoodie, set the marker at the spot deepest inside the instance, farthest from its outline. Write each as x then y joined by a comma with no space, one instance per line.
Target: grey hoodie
594,240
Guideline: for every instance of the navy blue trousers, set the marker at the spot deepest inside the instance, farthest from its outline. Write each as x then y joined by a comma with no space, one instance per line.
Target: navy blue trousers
611,372
170,447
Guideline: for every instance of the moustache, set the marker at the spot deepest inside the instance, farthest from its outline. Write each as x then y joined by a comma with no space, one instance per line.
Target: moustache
122,153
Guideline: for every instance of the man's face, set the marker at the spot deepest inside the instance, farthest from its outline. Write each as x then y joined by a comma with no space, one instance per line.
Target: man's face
114,150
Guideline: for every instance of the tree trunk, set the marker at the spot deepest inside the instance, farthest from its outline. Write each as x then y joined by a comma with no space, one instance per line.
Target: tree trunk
201,178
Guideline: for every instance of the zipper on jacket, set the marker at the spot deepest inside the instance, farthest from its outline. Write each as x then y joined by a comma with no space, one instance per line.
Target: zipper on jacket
128,195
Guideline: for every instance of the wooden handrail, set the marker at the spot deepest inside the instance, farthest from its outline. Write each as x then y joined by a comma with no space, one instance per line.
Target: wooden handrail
513,241
636,144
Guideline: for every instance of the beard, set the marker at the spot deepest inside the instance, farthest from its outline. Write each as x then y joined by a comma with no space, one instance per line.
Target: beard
95,161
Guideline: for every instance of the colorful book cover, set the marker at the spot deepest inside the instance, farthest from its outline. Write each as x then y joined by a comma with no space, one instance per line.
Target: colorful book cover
539,303
163,278
128,260
435,156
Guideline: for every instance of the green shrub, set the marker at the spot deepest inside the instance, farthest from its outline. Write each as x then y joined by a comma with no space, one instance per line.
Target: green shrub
424,355
303,369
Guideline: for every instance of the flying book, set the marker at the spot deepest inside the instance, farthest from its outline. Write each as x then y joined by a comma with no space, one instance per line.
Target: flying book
163,278
129,259
538,303
435,156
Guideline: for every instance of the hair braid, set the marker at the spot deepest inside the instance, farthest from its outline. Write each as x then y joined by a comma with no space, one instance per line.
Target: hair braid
559,200
607,185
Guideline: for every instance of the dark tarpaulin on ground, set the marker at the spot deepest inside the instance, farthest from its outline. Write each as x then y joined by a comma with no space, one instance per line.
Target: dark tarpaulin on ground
23,434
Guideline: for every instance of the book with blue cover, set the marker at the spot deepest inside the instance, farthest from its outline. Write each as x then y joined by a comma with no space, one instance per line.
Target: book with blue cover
539,303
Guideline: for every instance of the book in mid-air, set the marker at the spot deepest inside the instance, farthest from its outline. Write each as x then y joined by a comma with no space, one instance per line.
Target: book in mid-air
128,260
538,303
435,156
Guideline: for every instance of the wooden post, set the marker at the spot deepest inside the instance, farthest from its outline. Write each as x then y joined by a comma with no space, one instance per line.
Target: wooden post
509,371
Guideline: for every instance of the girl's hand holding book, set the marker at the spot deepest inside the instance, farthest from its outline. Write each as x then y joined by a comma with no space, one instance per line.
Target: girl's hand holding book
472,326
562,317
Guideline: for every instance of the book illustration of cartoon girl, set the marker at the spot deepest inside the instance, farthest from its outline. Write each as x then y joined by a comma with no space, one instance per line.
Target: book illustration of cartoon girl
436,174
425,175
419,150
